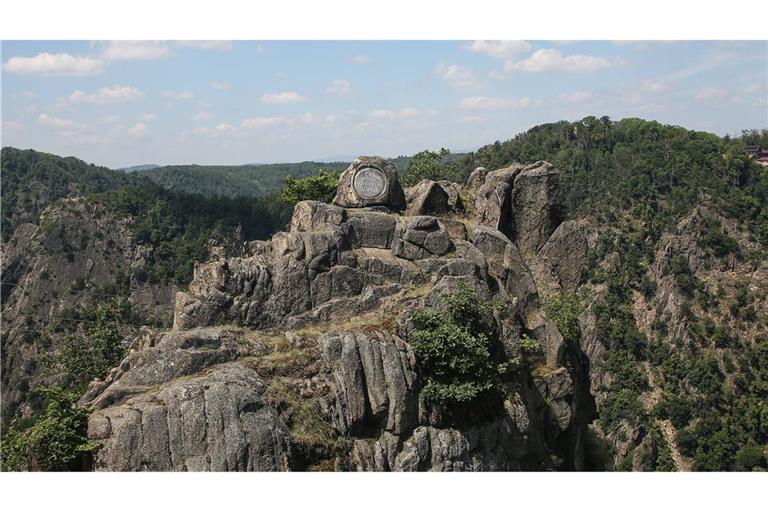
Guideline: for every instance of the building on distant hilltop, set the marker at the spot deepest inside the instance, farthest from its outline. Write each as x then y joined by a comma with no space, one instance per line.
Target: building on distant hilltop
759,154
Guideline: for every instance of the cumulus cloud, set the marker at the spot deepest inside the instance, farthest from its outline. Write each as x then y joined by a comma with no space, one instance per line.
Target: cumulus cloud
224,127
219,86
339,87
54,64
361,59
550,59
283,97
138,129
202,116
116,94
575,97
500,49
459,77
178,95
262,122
489,103
56,122
405,113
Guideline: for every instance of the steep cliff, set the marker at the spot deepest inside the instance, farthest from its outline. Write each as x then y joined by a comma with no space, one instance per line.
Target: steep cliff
297,354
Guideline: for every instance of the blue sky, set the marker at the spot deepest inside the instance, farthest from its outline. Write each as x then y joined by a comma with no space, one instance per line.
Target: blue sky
227,102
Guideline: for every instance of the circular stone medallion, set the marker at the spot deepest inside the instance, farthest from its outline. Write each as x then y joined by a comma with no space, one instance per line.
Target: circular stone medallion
369,183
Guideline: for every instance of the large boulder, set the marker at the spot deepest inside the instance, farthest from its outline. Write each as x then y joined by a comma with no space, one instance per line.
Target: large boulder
432,197
538,207
215,421
421,237
375,381
560,263
370,181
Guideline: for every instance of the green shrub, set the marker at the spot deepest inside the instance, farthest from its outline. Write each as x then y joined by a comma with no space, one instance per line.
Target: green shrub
319,187
454,350
565,309
57,439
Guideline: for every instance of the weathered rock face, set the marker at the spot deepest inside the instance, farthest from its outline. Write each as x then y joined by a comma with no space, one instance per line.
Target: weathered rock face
370,181
526,203
213,421
351,394
50,267
559,264
432,197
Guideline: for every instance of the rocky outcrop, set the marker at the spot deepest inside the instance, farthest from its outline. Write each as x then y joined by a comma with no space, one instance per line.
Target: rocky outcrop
433,197
213,421
526,203
354,275
370,181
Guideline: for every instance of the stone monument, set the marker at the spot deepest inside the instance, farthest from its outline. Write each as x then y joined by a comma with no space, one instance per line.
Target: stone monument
370,181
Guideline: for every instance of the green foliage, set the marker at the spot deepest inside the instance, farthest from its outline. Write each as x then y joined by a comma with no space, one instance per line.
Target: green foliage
679,267
57,439
455,349
32,180
428,165
529,345
657,171
85,356
718,241
319,187
751,457
251,180
565,309
181,227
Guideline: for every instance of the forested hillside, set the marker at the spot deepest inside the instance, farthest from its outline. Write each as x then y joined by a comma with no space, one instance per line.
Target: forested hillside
667,324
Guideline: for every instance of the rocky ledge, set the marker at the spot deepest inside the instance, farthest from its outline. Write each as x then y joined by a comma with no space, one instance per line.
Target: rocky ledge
295,355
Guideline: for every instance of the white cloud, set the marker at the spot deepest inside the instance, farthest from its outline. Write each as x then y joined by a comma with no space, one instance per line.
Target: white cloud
330,120
653,86
261,122
202,116
308,118
500,49
178,95
54,64
116,94
709,93
138,129
136,50
339,87
219,86
57,122
224,127
405,113
206,45
460,77
576,97
550,59
361,59
282,97
489,103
